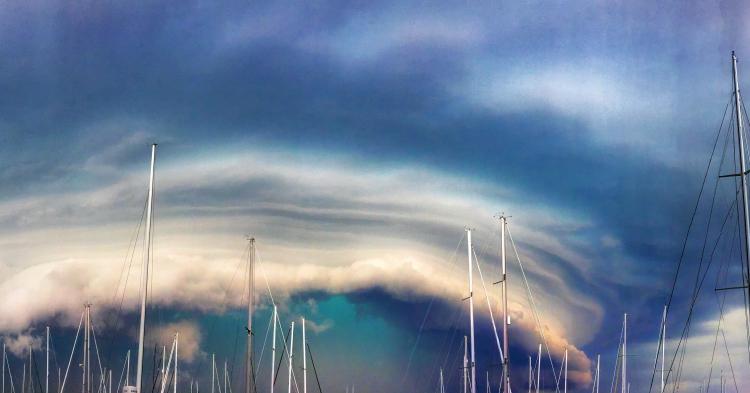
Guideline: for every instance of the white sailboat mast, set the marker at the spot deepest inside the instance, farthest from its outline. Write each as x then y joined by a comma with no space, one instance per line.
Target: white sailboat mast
304,358
466,363
144,274
625,354
46,372
291,354
506,317
743,176
472,365
598,358
538,368
565,384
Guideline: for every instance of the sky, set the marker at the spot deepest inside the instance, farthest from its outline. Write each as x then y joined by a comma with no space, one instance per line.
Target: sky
356,141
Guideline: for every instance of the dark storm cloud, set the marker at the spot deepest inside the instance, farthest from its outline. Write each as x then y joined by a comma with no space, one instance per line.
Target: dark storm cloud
83,86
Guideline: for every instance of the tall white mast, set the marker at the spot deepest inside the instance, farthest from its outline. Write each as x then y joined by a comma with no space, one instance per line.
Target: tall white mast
144,274
472,365
3,390
625,354
87,352
304,358
442,387
506,317
249,375
565,385
127,370
291,354
164,364
213,372
466,364
46,372
176,343
743,178
598,358
273,349
538,368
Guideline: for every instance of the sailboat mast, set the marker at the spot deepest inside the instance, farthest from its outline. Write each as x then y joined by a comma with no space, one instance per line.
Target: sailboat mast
538,368
442,387
291,354
176,343
565,385
249,383
273,349
46,372
506,317
743,178
625,354
466,363
144,275
598,358
304,358
472,365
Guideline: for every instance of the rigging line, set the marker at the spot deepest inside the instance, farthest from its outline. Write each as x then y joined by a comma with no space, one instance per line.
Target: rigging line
448,340
129,257
72,352
263,349
492,317
422,325
416,342
96,349
615,375
692,220
746,275
696,288
455,330
281,358
452,326
695,209
227,289
742,253
10,374
697,292
122,374
721,314
731,367
534,310
234,355
315,371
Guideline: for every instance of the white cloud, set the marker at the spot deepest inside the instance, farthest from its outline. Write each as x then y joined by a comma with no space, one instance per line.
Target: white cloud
322,225
20,343
189,342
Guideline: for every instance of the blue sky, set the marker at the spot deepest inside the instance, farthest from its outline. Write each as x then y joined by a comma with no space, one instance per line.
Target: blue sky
355,140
